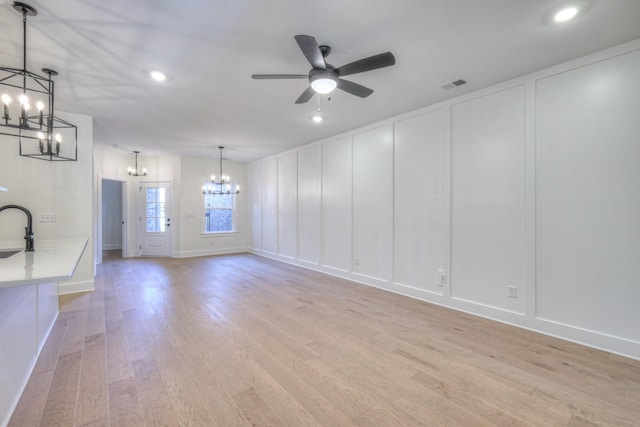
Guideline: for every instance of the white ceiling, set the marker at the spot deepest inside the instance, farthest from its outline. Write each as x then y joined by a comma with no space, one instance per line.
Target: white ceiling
104,50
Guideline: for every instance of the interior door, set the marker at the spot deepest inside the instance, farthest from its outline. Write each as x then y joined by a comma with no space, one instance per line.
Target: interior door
155,219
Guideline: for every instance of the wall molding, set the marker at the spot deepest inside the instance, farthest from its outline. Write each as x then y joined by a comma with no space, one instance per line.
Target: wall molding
524,315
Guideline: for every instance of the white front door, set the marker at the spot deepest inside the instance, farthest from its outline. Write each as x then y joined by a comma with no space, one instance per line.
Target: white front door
155,219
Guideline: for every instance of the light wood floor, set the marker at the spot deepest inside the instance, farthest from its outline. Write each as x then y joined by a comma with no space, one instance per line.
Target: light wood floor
241,340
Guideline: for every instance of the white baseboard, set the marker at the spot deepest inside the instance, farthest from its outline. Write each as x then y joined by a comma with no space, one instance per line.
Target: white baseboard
111,246
209,252
75,287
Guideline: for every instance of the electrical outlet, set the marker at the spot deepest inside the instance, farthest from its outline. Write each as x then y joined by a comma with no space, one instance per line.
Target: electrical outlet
443,278
48,217
356,261
513,291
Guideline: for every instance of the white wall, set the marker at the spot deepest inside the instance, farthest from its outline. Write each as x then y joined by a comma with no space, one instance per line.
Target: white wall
194,173
420,242
269,205
372,225
487,198
186,175
336,205
588,192
254,196
309,204
531,184
287,207
63,188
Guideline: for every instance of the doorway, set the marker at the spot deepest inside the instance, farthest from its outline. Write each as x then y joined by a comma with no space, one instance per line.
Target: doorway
154,227
113,235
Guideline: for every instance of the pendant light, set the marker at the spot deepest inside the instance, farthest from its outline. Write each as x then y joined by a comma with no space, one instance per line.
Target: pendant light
134,171
28,108
222,185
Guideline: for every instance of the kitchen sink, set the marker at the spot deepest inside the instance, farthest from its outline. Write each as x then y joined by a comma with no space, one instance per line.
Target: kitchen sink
6,253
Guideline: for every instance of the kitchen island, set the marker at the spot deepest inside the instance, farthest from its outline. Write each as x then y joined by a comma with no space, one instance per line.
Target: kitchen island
29,307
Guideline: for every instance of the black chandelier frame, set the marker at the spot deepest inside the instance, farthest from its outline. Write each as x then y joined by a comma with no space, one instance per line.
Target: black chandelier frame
40,134
218,187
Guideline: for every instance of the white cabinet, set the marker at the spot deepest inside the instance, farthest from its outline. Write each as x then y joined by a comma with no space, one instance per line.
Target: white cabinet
26,316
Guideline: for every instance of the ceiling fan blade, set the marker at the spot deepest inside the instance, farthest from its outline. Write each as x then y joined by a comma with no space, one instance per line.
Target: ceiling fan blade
309,47
354,88
279,76
306,95
367,64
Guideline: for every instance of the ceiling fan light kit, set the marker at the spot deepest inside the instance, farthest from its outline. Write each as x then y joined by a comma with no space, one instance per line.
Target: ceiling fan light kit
41,135
323,82
323,77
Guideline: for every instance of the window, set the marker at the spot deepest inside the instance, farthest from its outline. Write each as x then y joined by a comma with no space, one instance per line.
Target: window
218,213
156,210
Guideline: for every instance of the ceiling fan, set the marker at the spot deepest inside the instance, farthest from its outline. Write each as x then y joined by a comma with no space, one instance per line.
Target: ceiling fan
323,77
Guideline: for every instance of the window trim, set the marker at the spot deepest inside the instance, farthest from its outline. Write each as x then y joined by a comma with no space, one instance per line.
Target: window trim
208,234
234,220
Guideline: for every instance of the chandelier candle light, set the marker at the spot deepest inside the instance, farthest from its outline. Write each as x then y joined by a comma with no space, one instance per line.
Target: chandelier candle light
134,171
39,132
223,186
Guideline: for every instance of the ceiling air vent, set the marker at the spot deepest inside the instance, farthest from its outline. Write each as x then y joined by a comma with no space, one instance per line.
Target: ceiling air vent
451,85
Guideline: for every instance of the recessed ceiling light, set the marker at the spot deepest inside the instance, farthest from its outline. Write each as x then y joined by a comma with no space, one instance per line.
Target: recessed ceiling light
158,76
565,14
317,118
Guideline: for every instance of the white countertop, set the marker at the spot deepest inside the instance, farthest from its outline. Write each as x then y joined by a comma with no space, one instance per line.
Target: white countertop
52,261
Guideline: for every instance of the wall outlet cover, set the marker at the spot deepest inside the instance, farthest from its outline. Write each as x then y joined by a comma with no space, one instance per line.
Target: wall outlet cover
48,217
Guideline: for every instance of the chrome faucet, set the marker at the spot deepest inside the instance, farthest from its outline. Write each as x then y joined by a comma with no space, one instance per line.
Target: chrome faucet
28,229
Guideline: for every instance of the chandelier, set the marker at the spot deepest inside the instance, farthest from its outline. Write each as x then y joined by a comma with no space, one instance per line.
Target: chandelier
134,171
41,135
222,186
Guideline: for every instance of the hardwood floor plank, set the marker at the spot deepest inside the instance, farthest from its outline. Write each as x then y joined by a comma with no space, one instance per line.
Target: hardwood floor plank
75,333
255,409
102,422
221,406
156,405
31,404
124,405
59,409
93,403
189,405
118,364
51,350
96,314
240,340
